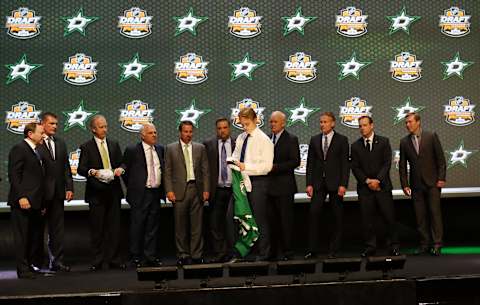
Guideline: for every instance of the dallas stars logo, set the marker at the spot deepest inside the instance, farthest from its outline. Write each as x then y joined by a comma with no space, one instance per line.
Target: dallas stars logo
189,23
296,22
459,155
301,113
133,68
401,21
21,70
406,108
351,67
191,114
78,116
77,22
245,67
455,67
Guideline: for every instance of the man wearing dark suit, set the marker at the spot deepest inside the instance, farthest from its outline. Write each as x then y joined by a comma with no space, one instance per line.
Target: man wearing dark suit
187,185
327,174
282,184
100,161
58,187
424,154
26,175
143,164
219,148
371,157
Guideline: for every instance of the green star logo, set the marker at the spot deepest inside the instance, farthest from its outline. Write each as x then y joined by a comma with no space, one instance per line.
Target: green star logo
21,70
296,22
404,109
300,113
401,21
133,68
78,116
189,23
455,66
191,113
351,67
77,22
245,67
460,155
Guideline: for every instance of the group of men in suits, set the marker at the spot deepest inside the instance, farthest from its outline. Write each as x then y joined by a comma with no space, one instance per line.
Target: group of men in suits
190,173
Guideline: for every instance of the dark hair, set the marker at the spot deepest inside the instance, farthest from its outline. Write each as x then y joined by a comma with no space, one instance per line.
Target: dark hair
329,114
44,116
183,123
222,119
369,118
248,113
30,127
415,115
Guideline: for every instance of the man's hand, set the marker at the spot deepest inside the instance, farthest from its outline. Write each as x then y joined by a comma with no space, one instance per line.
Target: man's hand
24,203
341,191
118,172
171,196
69,195
373,184
206,195
440,183
43,211
407,191
309,191
92,172
240,165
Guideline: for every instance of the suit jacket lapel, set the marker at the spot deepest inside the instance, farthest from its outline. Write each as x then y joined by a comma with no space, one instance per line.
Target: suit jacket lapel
141,151
94,148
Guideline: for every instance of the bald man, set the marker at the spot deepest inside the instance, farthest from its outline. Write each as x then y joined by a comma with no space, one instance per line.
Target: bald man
143,164
282,184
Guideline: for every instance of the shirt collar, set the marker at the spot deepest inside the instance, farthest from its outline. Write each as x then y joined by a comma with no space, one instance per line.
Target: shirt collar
146,146
278,134
226,141
98,141
418,133
330,134
30,143
369,138
183,144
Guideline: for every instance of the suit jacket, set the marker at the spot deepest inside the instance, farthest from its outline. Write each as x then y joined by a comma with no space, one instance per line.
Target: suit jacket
336,167
90,159
176,172
26,175
211,146
374,164
285,159
58,178
136,172
427,167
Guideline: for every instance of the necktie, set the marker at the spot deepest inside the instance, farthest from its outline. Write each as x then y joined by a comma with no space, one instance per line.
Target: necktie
223,164
274,140
153,175
415,143
325,147
49,146
244,148
368,145
188,167
104,156
37,154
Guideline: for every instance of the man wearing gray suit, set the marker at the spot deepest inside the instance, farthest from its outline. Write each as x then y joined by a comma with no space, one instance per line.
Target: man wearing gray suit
187,187
424,153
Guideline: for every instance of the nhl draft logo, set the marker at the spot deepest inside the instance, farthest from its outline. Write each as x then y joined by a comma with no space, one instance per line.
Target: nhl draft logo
244,23
351,22
135,23
300,68
21,114
23,24
80,70
247,103
454,22
406,67
301,170
74,159
135,115
191,69
355,107
459,111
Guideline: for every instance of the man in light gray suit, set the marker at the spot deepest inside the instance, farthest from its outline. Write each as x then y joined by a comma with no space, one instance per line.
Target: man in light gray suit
187,187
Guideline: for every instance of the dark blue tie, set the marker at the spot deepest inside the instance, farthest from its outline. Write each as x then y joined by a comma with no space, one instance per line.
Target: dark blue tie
244,148
223,164
37,154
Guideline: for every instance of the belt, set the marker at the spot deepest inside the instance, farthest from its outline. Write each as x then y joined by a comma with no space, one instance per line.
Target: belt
190,181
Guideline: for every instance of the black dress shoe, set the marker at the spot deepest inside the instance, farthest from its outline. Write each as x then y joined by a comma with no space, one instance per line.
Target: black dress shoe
368,252
436,251
183,261
198,261
119,266
34,269
310,255
395,252
59,266
95,267
26,275
136,263
155,263
332,255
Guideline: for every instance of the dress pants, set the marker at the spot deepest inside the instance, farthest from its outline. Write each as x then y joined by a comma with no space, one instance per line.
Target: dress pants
258,200
282,222
428,213
218,221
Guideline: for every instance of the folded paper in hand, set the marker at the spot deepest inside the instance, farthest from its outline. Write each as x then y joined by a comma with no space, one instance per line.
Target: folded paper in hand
105,175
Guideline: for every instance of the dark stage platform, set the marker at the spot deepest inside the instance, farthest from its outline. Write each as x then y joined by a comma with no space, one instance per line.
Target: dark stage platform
448,279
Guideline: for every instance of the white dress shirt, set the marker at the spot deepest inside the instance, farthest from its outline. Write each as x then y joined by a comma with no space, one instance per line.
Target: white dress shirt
189,151
99,146
147,149
370,138
329,138
277,136
49,142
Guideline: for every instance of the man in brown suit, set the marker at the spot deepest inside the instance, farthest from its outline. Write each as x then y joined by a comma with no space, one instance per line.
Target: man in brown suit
424,154
187,186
